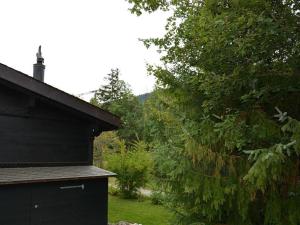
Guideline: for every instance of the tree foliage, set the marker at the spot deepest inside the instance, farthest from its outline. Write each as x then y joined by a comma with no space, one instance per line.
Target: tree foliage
130,110
107,142
113,90
117,97
221,155
132,167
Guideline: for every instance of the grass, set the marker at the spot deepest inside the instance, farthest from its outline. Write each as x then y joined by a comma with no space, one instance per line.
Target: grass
142,212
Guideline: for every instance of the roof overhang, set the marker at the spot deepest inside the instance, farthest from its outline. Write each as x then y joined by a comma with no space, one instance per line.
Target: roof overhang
53,94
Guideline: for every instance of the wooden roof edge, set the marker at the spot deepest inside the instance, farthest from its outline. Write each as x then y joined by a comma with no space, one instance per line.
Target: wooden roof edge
45,90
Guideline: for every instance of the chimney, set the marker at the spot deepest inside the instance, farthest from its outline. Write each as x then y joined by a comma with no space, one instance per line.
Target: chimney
39,67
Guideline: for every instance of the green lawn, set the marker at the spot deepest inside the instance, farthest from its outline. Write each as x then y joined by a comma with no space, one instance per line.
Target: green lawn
138,212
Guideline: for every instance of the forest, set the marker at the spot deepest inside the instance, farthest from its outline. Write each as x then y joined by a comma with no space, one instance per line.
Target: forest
218,140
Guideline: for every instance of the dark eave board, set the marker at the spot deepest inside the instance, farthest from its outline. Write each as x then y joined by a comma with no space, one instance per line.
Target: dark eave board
29,175
53,94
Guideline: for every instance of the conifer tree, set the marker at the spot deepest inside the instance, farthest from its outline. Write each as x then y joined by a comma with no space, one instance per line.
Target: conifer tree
116,96
230,67
113,90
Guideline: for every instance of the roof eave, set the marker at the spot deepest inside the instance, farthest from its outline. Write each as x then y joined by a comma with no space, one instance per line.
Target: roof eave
51,93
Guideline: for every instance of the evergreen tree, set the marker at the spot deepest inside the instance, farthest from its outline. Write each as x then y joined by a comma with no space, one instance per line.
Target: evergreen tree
221,155
113,90
116,97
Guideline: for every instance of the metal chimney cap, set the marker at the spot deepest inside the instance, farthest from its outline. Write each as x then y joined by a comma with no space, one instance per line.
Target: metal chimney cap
39,57
39,67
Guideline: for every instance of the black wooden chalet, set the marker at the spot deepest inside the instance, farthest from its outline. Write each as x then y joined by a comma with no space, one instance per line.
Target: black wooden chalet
46,153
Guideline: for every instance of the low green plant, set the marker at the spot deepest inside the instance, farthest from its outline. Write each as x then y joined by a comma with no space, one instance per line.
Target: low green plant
157,198
132,167
113,191
106,142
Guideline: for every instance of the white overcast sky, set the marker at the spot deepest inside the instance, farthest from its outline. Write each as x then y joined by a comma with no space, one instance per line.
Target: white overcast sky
81,41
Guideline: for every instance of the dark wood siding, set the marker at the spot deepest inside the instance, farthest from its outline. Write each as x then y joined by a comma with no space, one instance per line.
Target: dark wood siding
15,205
35,132
55,203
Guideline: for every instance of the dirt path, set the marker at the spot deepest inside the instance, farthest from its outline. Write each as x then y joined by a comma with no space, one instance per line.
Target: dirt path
145,192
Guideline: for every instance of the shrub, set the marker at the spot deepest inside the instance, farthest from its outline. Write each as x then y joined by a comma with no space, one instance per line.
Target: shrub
157,198
106,142
132,167
112,190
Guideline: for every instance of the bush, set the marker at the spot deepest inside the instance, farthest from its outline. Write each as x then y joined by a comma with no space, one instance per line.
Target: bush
157,198
132,167
106,142
113,190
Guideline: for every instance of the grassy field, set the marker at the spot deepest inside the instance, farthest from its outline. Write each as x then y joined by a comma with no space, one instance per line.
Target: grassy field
138,212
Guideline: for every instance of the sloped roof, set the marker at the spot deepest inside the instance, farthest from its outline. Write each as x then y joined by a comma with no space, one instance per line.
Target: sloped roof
28,175
42,89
